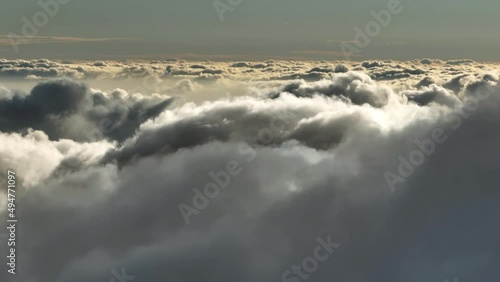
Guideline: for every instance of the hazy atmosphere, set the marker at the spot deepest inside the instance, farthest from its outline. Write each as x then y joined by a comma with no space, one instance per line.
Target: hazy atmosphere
249,141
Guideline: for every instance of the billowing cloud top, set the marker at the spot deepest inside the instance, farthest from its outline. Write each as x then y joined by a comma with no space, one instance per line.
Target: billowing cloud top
265,70
238,171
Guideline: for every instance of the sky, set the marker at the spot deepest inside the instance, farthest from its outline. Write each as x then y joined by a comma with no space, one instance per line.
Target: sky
257,29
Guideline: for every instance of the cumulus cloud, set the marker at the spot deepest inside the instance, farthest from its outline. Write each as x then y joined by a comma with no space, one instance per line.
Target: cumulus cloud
393,72
433,94
310,158
42,155
355,86
39,68
68,109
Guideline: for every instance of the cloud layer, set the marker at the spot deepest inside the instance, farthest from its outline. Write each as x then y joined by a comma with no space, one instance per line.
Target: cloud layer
283,161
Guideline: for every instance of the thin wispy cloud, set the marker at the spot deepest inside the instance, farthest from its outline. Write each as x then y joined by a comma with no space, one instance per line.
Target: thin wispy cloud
7,40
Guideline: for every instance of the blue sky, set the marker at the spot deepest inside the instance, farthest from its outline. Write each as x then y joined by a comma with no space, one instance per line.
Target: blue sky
121,29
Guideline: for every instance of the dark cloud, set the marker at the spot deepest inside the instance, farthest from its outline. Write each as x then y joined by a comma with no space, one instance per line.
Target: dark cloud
198,67
456,84
425,82
321,69
250,65
434,94
68,109
460,62
396,74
